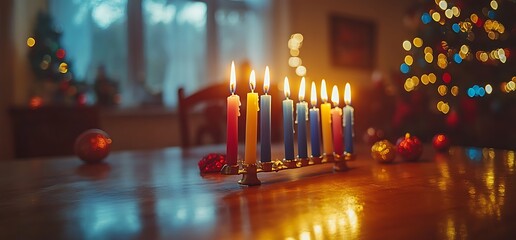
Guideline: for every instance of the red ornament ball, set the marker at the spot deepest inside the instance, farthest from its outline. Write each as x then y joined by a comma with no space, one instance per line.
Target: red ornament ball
410,148
212,162
92,146
441,142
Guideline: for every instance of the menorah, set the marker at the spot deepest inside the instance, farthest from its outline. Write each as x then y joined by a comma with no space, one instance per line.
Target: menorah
250,172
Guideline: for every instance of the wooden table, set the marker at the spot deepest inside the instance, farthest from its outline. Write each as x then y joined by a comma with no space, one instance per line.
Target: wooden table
468,193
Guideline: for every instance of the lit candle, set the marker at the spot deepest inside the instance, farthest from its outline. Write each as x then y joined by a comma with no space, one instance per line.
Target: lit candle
265,120
302,117
251,122
348,120
336,122
326,120
233,111
315,134
288,123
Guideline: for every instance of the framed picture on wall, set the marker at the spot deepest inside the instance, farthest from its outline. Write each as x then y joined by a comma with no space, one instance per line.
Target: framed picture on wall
352,42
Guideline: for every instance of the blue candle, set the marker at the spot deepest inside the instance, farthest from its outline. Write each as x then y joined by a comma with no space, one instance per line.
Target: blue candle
288,123
265,120
302,117
348,121
315,135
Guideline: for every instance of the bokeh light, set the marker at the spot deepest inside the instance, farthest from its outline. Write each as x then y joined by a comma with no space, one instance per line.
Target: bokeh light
456,11
31,42
432,78
443,4
294,61
425,79
448,13
436,16
457,58
407,45
456,27
425,18
63,67
409,60
428,50
442,90
404,68
454,90
447,77
429,57
494,4
489,88
418,42
301,71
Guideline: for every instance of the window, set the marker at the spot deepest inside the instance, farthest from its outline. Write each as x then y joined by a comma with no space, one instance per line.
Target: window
186,43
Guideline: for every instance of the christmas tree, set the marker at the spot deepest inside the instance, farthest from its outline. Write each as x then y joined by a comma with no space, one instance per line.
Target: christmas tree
461,71
54,83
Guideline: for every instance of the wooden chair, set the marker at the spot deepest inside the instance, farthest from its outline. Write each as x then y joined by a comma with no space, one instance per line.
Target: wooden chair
209,107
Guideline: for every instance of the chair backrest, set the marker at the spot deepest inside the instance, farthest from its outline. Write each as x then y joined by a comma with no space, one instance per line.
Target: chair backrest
211,102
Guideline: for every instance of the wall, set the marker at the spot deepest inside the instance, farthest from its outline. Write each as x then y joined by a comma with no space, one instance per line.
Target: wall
311,18
131,131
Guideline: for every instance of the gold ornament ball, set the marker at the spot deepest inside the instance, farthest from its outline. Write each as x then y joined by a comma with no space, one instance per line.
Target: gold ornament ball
383,151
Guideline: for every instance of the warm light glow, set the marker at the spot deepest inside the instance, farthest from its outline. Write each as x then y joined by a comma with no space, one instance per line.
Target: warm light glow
335,96
63,68
294,61
436,16
489,89
286,88
313,95
232,78
324,94
31,42
443,5
456,11
494,4
302,90
347,94
407,45
252,81
454,90
429,57
301,71
448,13
409,60
418,42
266,80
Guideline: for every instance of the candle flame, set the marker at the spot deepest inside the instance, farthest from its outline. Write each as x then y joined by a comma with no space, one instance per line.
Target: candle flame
313,95
286,88
302,89
324,94
232,78
335,96
266,80
347,94
252,81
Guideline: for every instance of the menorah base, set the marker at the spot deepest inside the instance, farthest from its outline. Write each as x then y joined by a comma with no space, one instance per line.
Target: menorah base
229,169
249,175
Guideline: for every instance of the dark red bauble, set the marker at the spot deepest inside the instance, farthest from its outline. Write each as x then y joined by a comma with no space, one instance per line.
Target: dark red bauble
212,162
92,146
409,148
441,142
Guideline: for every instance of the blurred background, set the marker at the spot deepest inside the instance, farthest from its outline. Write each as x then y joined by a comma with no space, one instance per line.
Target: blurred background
425,67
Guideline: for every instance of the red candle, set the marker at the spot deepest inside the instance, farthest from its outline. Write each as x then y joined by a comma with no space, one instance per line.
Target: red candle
336,122
233,111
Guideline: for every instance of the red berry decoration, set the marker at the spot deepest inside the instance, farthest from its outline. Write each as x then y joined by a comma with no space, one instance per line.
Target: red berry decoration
441,142
92,146
212,162
409,148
